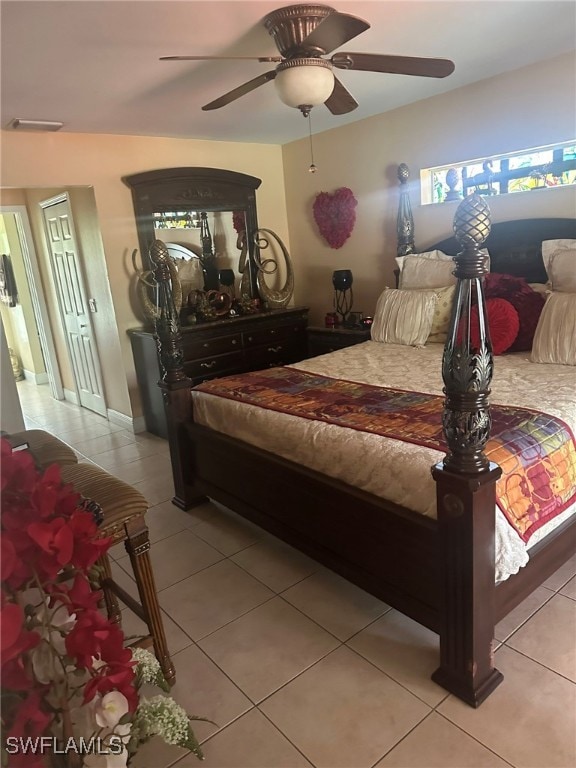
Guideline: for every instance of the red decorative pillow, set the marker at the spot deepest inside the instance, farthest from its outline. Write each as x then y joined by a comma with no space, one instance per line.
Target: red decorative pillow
502,286
503,323
529,307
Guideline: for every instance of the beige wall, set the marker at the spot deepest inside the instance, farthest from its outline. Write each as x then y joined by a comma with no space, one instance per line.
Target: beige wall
65,160
530,107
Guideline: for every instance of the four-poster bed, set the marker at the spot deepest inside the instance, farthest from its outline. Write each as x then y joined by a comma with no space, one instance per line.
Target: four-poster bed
440,572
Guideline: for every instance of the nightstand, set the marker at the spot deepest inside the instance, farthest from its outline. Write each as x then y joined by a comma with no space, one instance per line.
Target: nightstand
322,340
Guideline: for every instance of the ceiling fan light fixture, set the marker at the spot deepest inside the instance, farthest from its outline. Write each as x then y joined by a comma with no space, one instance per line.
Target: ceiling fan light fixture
304,82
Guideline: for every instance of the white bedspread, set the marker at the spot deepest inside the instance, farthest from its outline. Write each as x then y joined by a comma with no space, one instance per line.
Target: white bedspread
387,467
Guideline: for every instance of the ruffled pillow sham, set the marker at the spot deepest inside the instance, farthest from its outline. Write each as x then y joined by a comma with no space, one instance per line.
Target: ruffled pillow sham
555,337
560,262
404,317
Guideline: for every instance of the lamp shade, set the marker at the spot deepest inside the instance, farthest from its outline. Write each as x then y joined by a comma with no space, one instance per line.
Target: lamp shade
302,82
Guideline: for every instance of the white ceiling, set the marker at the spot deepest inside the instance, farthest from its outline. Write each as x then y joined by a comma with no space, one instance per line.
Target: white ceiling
93,65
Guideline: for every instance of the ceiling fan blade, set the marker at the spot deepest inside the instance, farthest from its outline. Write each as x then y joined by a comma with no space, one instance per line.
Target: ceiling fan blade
221,58
242,90
396,65
335,30
341,100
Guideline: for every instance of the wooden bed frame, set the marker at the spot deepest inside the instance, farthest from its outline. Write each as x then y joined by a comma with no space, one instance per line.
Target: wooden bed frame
438,572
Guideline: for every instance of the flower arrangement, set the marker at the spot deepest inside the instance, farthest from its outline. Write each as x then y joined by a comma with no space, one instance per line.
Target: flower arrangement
71,690
335,215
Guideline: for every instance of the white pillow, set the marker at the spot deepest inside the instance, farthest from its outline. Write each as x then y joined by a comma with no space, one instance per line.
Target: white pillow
555,337
428,265
432,269
404,317
417,272
560,262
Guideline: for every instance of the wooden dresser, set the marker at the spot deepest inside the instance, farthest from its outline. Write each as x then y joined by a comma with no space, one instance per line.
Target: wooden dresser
220,348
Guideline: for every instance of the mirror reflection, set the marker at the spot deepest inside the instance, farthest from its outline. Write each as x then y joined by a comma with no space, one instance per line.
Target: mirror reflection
208,248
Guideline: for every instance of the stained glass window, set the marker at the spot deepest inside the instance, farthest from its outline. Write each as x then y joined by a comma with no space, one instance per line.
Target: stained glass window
529,169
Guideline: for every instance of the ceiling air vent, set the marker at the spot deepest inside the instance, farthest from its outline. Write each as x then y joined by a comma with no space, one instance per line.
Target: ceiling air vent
18,124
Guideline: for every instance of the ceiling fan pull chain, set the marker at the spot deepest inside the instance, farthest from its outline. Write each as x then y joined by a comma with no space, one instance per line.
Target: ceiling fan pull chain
312,168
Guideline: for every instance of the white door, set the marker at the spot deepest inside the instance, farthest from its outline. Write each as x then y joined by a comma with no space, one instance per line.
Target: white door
67,273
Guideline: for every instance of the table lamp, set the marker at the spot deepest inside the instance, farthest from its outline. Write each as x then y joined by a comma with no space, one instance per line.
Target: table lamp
342,282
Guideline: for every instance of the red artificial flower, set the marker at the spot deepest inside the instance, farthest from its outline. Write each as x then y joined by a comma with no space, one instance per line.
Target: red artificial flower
14,638
19,571
85,640
335,215
17,470
9,561
29,720
87,547
56,542
113,677
79,597
52,497
15,676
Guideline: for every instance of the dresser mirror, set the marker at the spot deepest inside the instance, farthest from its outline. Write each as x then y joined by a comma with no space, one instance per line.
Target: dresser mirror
205,217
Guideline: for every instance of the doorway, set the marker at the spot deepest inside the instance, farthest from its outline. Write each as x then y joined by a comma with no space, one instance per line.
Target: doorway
81,386
25,320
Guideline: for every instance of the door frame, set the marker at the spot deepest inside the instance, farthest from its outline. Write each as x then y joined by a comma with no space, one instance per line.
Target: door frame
37,295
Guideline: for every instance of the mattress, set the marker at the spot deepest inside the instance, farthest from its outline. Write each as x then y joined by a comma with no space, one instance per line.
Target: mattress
383,466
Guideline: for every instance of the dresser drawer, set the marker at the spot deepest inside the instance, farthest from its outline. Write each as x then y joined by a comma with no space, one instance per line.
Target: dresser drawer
217,364
275,353
219,345
295,330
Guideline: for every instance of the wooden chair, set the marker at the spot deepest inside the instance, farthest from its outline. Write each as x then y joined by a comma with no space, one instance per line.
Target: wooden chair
123,508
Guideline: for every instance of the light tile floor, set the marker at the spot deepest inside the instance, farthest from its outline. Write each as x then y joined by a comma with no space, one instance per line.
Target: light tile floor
295,666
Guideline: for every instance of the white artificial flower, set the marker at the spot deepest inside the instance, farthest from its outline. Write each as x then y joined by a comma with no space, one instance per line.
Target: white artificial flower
54,625
110,709
161,715
45,663
149,669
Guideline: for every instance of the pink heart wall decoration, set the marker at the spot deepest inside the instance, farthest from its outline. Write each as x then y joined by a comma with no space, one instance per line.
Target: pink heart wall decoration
335,215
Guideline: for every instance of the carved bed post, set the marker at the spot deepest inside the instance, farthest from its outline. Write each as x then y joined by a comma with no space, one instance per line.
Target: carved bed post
466,480
404,222
175,385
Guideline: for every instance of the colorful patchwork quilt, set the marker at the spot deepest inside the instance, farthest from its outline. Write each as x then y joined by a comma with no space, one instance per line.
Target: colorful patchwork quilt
536,451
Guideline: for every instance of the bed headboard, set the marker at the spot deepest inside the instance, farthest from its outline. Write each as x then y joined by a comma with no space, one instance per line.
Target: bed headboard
515,247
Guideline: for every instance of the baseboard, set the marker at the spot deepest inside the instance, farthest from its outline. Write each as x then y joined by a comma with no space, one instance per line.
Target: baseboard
127,422
71,396
36,378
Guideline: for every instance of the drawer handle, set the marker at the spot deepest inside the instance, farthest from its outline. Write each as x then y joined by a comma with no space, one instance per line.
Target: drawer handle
249,338
275,349
211,364
206,344
234,341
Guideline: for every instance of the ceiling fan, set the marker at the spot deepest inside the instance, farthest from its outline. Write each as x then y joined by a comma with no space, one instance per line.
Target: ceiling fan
304,34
